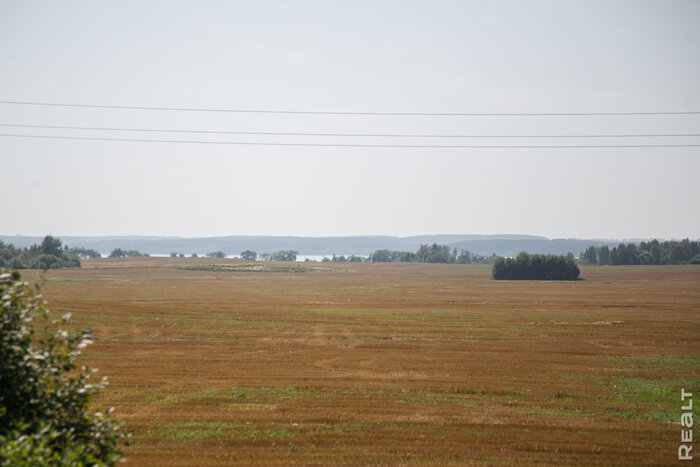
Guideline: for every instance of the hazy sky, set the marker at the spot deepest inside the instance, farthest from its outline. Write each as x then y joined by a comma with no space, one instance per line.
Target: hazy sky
351,56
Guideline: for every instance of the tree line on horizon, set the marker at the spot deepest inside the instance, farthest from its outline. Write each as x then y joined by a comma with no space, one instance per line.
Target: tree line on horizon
431,254
50,254
645,253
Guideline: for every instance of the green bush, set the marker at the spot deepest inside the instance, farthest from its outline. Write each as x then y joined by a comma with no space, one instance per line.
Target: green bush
536,267
249,255
44,396
284,255
119,253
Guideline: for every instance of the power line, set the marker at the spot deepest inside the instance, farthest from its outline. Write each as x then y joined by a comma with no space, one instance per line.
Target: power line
364,135
431,146
319,112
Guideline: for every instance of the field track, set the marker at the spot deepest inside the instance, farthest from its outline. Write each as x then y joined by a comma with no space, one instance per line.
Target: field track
396,363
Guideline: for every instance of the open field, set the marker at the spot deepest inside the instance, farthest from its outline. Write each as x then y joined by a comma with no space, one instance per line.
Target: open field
387,363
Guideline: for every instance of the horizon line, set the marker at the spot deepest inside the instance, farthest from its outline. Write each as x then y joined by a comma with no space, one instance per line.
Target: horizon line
626,238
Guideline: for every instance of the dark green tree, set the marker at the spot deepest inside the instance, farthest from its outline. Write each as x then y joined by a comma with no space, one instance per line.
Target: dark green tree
284,255
464,257
589,256
381,256
81,252
51,246
249,255
435,254
117,253
604,255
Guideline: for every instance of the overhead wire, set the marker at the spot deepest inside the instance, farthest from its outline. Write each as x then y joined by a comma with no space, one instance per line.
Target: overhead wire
349,145
324,112
363,135
350,135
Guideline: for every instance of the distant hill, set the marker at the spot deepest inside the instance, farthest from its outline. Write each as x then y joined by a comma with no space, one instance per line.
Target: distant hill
504,245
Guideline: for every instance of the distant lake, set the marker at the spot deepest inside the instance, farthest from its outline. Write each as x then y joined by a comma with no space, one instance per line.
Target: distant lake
300,258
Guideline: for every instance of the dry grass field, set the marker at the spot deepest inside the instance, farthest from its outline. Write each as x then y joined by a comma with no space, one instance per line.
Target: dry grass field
387,363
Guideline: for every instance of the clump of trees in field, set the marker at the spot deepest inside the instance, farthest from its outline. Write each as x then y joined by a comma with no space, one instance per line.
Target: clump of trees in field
82,253
49,255
344,259
45,418
536,267
216,254
389,256
653,252
282,255
431,254
119,253
250,255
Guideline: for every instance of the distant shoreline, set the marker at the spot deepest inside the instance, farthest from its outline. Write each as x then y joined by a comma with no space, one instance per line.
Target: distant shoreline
502,245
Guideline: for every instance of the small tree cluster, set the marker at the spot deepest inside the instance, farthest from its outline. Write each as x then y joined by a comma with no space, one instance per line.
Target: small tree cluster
82,253
216,254
249,255
119,253
345,259
389,256
49,255
44,396
282,255
536,267
467,257
435,254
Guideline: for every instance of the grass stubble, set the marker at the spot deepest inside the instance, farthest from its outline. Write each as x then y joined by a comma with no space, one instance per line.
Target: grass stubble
387,363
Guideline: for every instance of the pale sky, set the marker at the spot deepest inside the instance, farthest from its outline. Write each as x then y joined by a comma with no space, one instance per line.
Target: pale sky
351,56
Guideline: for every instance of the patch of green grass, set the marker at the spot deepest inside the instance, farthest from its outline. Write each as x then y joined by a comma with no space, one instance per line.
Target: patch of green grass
575,412
642,392
168,397
250,406
588,378
270,433
210,394
661,363
194,430
271,394
329,430
354,312
245,267
649,399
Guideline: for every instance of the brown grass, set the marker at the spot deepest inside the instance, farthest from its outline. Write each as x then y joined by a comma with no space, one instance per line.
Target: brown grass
388,363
